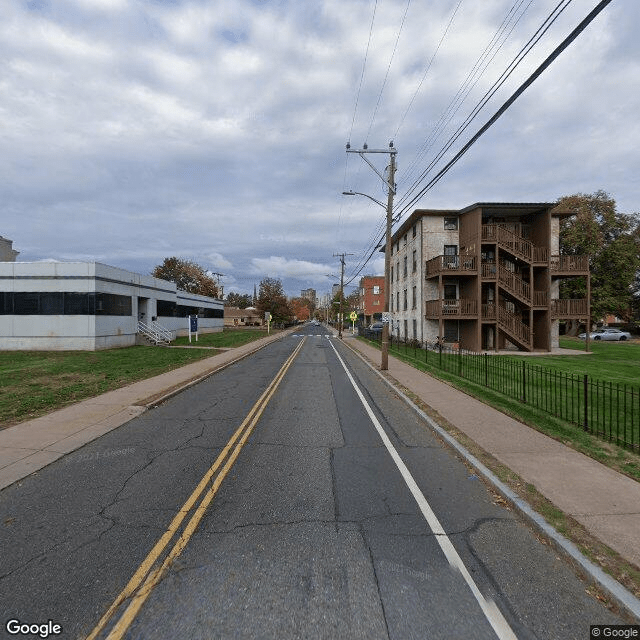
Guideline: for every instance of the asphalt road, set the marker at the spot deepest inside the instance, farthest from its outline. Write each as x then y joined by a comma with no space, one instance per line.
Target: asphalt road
334,514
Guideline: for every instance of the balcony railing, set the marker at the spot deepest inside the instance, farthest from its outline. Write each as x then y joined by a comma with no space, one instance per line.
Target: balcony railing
576,308
540,298
447,264
489,270
451,309
540,255
489,311
570,264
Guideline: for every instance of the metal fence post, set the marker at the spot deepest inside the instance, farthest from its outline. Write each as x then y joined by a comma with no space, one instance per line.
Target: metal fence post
586,403
524,382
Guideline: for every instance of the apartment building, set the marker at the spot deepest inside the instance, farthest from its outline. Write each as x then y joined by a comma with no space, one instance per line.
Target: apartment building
486,277
371,298
309,294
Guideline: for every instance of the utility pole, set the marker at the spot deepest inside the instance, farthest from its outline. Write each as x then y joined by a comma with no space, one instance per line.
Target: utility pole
220,286
341,256
389,180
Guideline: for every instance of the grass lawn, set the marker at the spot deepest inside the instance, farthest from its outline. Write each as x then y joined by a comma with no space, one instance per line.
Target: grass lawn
608,362
33,383
224,339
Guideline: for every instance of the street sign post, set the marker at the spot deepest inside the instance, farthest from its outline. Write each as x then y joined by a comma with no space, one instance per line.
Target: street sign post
353,316
193,327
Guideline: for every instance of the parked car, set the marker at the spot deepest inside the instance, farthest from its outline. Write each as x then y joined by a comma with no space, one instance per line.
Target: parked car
376,327
607,334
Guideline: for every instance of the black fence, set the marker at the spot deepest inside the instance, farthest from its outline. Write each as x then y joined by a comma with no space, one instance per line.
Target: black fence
605,409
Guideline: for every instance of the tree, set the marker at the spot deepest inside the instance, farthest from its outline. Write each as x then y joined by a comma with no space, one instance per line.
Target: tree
271,298
240,300
189,276
612,241
302,308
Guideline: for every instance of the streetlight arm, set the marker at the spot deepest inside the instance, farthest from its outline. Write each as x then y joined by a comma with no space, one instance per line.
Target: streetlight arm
357,193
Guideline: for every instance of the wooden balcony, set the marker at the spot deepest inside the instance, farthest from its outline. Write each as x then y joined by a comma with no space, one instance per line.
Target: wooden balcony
569,309
489,271
451,265
489,311
569,265
540,255
451,309
540,298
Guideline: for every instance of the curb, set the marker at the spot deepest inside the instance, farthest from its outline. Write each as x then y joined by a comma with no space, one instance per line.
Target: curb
624,598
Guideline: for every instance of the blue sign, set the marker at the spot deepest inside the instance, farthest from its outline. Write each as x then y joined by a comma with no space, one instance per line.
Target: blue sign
193,324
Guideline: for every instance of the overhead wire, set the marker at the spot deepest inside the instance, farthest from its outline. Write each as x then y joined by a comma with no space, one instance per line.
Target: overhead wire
384,82
472,78
424,75
524,51
521,89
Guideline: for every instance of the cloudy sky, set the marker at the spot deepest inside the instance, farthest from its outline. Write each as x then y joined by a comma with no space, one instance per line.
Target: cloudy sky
215,130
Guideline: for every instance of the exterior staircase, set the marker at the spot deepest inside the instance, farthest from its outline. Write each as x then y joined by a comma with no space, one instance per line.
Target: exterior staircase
155,333
516,330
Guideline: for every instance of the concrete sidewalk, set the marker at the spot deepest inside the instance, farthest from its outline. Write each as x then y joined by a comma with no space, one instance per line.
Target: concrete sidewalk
31,445
604,501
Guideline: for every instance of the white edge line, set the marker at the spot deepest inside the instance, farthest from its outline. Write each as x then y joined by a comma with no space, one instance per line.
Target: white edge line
489,608
622,595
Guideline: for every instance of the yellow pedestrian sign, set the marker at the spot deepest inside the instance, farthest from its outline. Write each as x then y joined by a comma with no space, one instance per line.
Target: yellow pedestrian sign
353,316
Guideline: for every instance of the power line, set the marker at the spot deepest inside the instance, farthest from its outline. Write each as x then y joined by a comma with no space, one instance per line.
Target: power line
473,77
384,82
364,65
524,51
521,89
424,75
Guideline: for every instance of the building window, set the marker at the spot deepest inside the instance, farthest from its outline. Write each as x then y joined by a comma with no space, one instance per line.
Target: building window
415,263
376,302
413,303
406,332
451,224
404,239
405,266
415,329
391,274
376,290
398,301
451,255
405,299
414,230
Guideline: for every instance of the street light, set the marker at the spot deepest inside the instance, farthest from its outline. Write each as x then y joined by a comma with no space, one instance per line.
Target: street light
357,193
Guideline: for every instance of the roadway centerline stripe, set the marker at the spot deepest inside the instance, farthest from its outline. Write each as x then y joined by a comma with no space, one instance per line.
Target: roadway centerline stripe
133,588
489,608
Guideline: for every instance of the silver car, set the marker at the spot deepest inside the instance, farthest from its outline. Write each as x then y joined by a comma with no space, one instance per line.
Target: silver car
607,334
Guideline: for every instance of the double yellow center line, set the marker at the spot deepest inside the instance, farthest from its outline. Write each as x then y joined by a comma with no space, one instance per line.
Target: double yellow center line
150,572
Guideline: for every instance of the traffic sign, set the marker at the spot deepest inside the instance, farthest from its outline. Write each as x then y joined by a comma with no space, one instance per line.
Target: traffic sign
353,315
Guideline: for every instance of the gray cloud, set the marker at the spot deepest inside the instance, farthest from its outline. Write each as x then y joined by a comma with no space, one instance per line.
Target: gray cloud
132,131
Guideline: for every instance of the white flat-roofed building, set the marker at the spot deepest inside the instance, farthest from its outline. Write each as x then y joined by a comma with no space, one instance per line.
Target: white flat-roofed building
91,306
